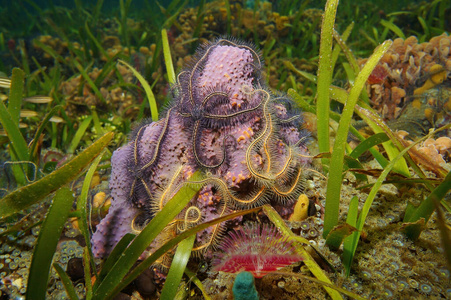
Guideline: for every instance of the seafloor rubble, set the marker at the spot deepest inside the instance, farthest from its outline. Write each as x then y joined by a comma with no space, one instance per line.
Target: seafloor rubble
410,87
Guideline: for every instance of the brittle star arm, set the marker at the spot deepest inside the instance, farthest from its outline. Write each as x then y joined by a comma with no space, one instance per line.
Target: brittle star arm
157,143
292,188
196,155
190,81
255,141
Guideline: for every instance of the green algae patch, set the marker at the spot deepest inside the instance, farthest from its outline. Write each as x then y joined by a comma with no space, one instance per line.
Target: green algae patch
65,279
416,219
36,191
424,211
168,57
82,206
47,241
9,119
338,234
147,89
336,162
177,268
325,75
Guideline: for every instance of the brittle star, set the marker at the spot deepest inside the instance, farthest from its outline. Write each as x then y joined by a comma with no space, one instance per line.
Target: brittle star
276,181
192,215
205,115
137,170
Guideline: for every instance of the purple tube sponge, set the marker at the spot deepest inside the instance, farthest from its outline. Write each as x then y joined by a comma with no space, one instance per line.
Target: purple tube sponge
118,221
225,122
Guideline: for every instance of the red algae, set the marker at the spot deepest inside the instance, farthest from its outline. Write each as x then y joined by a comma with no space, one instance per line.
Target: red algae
378,75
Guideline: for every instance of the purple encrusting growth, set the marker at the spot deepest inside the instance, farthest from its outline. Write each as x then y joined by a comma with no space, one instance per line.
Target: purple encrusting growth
224,122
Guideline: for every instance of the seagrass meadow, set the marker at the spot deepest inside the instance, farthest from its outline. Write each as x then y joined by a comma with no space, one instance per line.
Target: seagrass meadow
225,149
